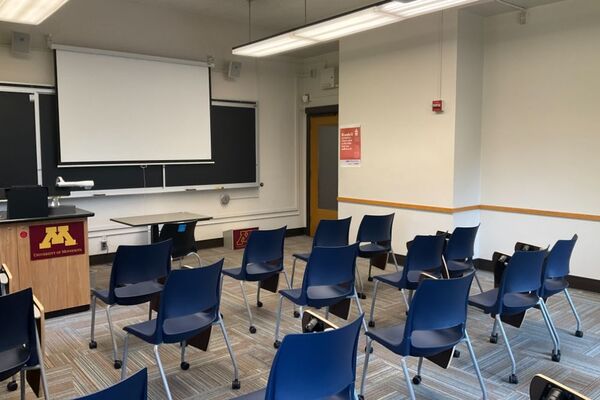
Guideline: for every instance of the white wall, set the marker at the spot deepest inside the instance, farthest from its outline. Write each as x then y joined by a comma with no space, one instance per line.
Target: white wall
125,26
541,128
388,79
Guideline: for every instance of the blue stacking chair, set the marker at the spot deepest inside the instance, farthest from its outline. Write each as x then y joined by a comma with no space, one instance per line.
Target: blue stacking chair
262,260
328,279
20,348
189,304
134,279
436,323
424,255
329,233
459,253
519,291
133,388
184,240
314,366
556,270
375,236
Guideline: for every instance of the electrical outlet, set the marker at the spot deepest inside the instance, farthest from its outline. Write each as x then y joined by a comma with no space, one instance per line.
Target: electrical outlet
104,245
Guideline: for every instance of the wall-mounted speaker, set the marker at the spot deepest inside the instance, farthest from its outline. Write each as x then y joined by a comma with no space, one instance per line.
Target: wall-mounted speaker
234,69
20,43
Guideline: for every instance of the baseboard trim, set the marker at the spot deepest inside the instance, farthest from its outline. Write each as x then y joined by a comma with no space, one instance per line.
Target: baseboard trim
66,311
107,258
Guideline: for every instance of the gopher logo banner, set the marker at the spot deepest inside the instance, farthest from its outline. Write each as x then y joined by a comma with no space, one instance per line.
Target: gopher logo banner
56,240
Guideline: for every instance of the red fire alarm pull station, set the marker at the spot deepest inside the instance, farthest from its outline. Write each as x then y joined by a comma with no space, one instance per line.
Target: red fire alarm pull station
437,106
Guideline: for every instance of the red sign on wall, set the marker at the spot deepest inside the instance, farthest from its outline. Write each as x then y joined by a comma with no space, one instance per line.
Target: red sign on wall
56,240
240,237
350,145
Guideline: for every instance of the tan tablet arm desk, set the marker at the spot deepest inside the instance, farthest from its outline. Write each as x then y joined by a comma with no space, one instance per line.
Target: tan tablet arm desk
50,255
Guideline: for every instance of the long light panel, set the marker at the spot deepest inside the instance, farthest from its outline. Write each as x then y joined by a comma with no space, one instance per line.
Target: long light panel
379,14
32,12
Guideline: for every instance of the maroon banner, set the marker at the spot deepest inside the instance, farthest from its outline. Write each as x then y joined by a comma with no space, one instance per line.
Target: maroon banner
240,237
56,240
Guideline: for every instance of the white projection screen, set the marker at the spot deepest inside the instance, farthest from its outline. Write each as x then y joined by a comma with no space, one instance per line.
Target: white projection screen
123,108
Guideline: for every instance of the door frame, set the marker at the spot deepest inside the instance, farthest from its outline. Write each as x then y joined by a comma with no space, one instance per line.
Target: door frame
313,112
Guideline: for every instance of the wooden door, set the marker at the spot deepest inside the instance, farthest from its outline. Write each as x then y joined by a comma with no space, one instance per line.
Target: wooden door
323,169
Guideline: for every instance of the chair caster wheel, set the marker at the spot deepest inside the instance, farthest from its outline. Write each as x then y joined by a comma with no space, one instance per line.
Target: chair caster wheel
362,296
118,364
579,333
259,304
370,279
416,379
184,366
12,386
456,354
370,352
252,330
513,379
361,397
93,344
235,385
296,314
556,357
494,338
371,324
276,344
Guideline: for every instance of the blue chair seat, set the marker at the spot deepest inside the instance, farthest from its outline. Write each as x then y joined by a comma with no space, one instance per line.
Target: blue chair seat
371,249
254,271
318,296
457,266
395,279
12,360
554,285
132,294
174,329
513,302
302,256
424,342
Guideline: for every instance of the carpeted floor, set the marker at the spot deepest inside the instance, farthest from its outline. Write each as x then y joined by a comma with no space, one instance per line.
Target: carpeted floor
73,369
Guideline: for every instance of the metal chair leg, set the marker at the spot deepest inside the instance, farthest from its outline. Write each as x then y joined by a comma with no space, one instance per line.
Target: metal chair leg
326,312
372,316
125,354
411,392
394,258
93,344
117,363
22,384
197,257
277,343
513,377
405,299
552,330
42,368
162,372
258,303
365,367
252,328
287,280
360,284
236,382
360,311
149,311
494,334
476,366
578,331
477,280
293,272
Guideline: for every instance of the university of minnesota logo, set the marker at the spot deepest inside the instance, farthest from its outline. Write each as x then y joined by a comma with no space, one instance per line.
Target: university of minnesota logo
56,240
57,235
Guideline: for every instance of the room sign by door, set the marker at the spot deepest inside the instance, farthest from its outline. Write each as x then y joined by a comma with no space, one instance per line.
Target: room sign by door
350,147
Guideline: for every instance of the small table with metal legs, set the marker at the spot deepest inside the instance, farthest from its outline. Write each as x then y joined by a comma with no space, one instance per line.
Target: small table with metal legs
159,219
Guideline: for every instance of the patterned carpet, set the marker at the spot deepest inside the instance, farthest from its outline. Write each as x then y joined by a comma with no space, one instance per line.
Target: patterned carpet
73,369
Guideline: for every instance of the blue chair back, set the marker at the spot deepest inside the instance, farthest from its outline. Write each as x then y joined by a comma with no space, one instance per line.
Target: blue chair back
133,388
438,304
425,254
332,233
331,266
461,244
18,331
558,260
190,291
183,236
315,365
375,228
134,264
522,274
264,246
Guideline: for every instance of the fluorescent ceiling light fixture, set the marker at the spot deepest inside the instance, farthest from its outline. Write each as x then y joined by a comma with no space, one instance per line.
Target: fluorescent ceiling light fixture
370,17
32,12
